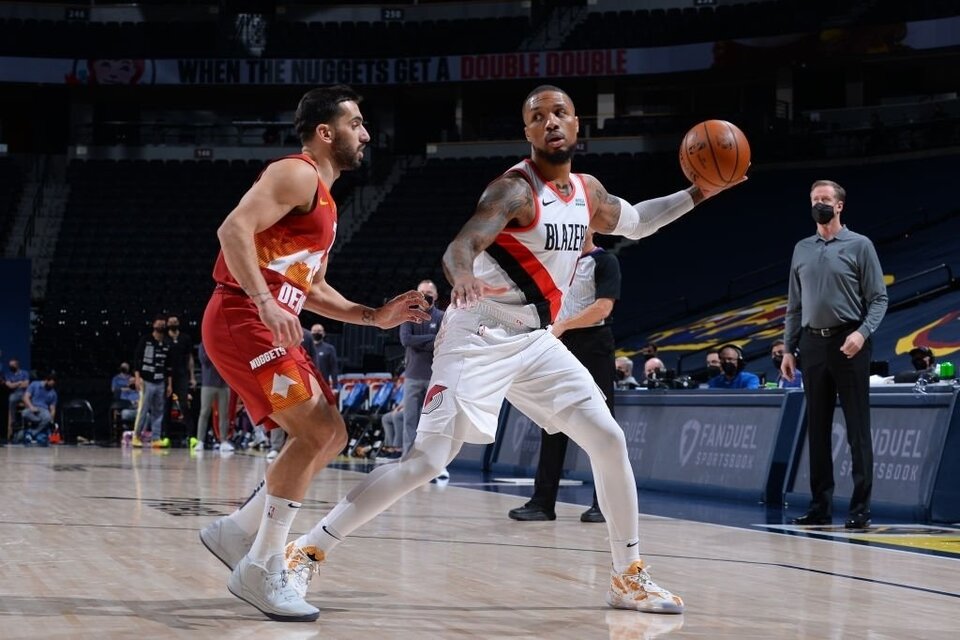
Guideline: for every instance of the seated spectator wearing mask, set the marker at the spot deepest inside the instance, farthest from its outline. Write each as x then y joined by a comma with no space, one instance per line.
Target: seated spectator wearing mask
713,369
733,376
924,364
776,356
41,402
625,379
653,368
655,374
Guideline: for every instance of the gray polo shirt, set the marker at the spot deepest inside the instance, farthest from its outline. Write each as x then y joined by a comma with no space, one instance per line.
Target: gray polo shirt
833,283
419,339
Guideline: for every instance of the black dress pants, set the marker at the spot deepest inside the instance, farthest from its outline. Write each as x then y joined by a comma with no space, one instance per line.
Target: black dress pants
594,347
827,373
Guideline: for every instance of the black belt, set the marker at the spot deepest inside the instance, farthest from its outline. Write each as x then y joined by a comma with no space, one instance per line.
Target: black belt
828,332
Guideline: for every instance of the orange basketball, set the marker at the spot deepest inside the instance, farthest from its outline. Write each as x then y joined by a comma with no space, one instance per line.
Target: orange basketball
714,153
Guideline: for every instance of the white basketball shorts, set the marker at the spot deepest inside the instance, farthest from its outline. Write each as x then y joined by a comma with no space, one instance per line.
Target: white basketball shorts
479,361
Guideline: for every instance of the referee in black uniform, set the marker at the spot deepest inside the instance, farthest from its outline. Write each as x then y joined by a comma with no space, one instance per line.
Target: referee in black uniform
582,325
836,301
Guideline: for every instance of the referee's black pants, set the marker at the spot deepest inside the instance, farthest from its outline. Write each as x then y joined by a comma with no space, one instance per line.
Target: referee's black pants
594,347
827,373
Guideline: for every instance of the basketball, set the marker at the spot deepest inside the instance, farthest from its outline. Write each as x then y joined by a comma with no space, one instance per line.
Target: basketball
714,153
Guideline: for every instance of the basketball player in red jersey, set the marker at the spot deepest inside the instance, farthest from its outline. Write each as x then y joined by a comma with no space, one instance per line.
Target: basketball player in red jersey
510,266
274,252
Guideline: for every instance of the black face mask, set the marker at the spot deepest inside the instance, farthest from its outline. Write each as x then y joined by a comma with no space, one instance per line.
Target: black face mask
429,299
777,361
159,329
318,337
919,363
621,374
714,370
173,327
822,213
729,368
14,368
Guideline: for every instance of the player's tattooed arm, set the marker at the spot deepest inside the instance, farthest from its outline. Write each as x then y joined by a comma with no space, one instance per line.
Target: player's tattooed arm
605,206
506,200
330,303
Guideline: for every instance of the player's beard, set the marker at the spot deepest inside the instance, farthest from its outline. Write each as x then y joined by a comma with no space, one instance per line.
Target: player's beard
346,156
558,156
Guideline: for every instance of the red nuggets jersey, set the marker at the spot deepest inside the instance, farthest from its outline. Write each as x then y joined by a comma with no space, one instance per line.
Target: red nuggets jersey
292,250
290,253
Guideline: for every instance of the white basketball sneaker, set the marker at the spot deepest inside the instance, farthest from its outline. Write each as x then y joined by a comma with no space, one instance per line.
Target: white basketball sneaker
633,589
271,590
226,540
302,563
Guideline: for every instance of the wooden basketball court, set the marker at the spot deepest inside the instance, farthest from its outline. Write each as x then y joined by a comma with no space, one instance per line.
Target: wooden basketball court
102,543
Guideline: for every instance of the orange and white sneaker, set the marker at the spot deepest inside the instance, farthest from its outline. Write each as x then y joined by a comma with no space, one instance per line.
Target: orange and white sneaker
302,563
633,589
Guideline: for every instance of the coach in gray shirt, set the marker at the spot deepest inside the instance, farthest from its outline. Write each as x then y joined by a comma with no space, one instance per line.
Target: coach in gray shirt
836,301
418,338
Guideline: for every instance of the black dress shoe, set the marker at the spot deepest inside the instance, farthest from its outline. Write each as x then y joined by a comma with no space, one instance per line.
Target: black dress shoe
857,521
531,512
592,515
812,517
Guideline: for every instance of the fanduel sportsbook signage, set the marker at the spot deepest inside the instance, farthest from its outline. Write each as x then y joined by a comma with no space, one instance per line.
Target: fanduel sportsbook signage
673,443
720,448
907,443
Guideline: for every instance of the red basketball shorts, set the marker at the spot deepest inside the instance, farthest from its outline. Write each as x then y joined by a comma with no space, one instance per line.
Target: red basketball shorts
267,378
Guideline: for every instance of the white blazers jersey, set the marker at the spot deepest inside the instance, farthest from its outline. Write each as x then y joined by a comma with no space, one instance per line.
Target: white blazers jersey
537,262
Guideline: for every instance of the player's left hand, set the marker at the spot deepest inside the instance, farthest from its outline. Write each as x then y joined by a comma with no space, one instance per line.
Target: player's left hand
708,190
853,344
406,307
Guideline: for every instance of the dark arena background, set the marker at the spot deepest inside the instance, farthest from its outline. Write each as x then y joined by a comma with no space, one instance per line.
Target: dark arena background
128,131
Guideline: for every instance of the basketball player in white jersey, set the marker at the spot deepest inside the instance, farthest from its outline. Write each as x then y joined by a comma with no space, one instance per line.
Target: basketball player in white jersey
510,266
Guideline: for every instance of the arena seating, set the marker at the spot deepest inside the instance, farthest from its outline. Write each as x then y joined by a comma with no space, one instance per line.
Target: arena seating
912,251
284,39
152,247
144,234
11,184
661,27
753,229
601,29
111,39
401,39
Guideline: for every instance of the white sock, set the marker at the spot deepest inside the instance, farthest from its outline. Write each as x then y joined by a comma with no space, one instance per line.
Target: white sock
625,553
323,536
248,516
381,488
278,515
